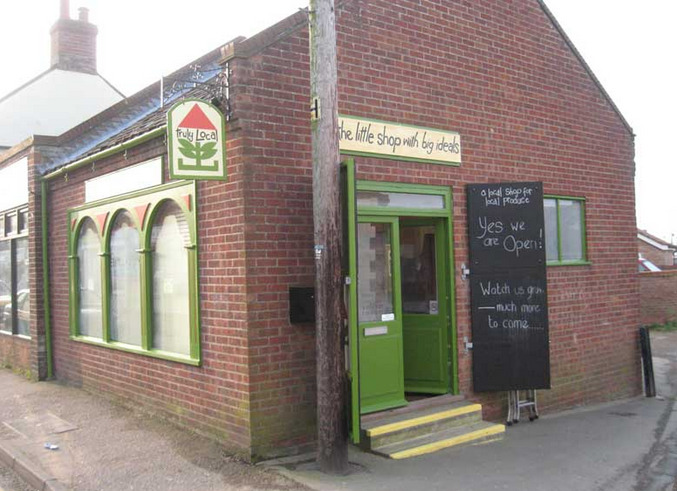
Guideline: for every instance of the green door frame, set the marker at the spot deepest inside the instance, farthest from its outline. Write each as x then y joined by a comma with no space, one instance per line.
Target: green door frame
350,271
354,209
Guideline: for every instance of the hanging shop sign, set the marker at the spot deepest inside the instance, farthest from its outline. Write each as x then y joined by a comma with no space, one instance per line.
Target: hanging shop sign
368,137
508,286
197,141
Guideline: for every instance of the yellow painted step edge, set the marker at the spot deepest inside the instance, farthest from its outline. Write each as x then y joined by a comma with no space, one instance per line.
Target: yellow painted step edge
451,442
421,420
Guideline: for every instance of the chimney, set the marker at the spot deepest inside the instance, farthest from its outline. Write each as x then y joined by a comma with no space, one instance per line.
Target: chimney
74,41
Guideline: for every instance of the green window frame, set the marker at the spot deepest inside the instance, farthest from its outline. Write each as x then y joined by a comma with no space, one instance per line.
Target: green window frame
15,297
566,248
144,207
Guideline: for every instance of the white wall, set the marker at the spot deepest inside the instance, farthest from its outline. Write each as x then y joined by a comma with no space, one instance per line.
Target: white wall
14,185
53,104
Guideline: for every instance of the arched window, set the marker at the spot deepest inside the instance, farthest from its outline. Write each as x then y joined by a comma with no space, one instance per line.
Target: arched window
143,297
125,281
89,281
171,299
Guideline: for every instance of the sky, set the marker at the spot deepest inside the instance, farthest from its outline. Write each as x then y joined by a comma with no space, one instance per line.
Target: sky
630,46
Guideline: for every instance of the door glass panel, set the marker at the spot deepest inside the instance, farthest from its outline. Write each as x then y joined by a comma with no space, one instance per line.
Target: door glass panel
374,274
400,200
419,278
22,287
5,286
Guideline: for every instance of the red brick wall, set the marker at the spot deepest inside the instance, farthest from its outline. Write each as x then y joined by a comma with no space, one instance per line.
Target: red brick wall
500,74
38,357
658,257
496,72
271,99
15,353
213,398
658,297
74,45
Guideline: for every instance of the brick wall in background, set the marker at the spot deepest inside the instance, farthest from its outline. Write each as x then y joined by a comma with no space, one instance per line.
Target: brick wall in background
658,257
658,297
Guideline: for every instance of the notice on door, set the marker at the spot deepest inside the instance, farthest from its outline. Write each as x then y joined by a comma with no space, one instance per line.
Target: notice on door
508,287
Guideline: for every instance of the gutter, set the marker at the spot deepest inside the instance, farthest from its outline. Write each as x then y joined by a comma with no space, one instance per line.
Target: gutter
107,152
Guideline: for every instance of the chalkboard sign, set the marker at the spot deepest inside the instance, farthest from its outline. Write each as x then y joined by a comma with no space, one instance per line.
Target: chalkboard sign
510,330
508,286
505,223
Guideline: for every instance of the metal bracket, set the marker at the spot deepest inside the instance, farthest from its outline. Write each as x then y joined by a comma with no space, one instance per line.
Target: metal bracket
315,109
465,272
217,86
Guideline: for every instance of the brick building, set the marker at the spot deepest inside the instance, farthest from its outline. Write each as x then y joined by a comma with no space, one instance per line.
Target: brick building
208,339
656,250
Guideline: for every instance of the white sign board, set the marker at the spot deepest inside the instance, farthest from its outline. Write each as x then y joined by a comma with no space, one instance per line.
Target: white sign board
14,185
359,136
134,178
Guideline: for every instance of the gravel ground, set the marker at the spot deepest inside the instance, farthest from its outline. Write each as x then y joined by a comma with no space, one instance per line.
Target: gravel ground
10,482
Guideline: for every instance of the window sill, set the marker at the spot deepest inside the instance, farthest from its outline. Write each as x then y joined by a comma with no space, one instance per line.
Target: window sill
19,336
569,263
128,348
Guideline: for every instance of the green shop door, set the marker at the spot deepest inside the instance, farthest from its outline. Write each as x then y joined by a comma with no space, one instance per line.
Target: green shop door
425,302
399,286
379,314
403,321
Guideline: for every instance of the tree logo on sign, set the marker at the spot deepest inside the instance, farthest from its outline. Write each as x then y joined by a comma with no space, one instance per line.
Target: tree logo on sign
196,141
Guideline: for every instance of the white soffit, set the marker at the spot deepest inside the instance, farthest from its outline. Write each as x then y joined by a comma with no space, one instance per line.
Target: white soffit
14,185
52,104
652,242
127,180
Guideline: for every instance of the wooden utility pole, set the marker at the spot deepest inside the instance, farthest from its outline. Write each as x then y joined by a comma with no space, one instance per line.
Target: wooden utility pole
332,434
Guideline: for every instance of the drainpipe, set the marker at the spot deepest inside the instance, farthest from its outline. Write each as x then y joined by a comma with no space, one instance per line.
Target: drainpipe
45,279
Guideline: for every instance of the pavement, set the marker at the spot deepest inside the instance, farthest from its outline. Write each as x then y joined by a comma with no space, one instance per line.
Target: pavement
103,446
625,446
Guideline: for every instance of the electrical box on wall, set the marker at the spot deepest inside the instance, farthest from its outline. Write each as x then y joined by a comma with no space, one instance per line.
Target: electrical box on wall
301,305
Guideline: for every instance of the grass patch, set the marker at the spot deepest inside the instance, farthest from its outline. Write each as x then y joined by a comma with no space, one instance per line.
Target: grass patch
667,327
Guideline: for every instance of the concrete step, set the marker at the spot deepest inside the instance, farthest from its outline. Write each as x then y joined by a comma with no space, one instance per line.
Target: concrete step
414,406
480,432
392,428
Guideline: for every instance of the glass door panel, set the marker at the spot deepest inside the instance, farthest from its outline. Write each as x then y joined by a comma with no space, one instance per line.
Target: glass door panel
380,314
424,301
375,272
419,277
